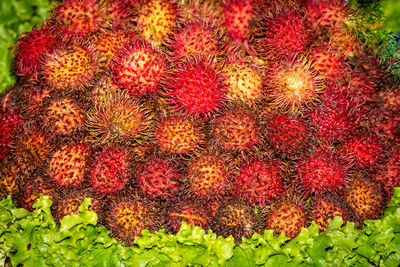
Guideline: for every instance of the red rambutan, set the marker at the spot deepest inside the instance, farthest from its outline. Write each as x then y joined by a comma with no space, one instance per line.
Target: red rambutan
9,121
328,64
388,174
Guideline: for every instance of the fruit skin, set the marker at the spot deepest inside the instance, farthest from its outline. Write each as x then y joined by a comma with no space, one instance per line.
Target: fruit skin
361,87
110,169
327,14
191,211
196,87
178,134
236,130
139,68
259,180
365,197
118,118
289,135
237,218
10,175
321,171
388,174
209,175
29,48
128,216
10,119
158,177
68,164
281,34
208,11
328,64
286,215
109,42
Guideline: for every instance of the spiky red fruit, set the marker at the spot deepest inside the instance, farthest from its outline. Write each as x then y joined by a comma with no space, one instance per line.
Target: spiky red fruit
388,174
208,11
74,19
118,13
365,150
293,85
391,98
361,87
110,170
109,43
32,98
69,68
322,171
196,87
328,64
9,121
138,68
128,217
192,212
365,197
158,178
384,123
260,180
236,130
176,134
118,118
29,48
281,34
67,165
337,116
287,216
209,175
10,174
287,134
33,188
328,14
236,218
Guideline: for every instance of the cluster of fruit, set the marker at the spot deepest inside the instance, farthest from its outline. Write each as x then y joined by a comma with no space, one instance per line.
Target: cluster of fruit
236,116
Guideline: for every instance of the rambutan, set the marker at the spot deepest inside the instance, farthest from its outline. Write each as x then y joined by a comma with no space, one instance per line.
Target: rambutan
209,175
236,218
236,130
209,11
384,123
344,43
118,118
327,14
109,43
196,86
281,33
195,38
64,116
158,178
68,164
31,100
69,68
118,13
328,64
10,173
33,188
29,48
9,121
192,212
293,85
286,215
365,197
364,150
138,68
75,20
259,180
110,169
390,99
178,134
104,85
361,87
287,134
388,174
156,19
322,171
129,216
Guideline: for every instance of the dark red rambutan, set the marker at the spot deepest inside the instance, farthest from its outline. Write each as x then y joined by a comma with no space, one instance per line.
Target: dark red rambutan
156,19
10,175
322,171
118,118
76,20
110,170
158,178
195,37
206,10
390,98
286,134
9,121
384,123
118,13
68,164
336,117
33,188
259,180
388,174
29,48
196,86
209,175
192,212
178,134
364,150
327,14
236,218
328,64
128,216
293,85
360,87
236,130
139,68
322,210
286,215
365,197
69,68
104,85
31,100
281,33
344,42
108,43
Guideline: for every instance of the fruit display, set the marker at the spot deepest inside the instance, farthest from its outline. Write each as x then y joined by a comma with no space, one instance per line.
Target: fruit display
238,116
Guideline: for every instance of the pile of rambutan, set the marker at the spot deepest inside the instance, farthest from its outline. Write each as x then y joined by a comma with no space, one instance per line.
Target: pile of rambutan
237,116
